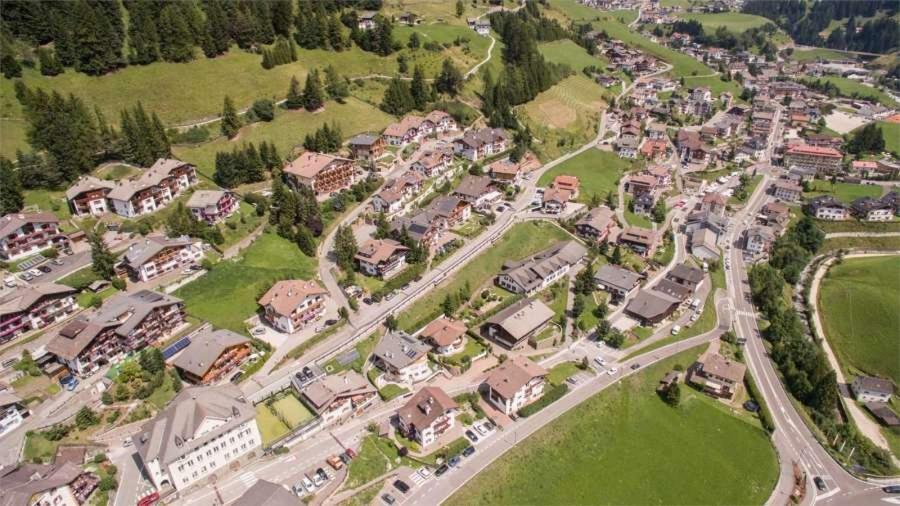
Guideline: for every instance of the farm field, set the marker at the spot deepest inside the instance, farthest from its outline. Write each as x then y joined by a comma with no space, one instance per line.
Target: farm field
446,34
809,55
857,303
571,54
565,116
598,171
226,296
849,87
521,240
660,454
287,131
845,192
735,22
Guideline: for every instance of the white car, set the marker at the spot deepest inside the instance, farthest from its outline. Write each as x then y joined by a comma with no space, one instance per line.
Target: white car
308,485
317,480
676,329
612,371
424,473
35,272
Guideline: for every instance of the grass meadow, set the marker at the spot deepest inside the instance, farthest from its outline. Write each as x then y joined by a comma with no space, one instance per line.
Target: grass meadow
598,171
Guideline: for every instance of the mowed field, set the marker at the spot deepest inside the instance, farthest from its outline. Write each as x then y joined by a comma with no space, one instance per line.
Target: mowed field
288,129
598,171
858,302
845,192
849,87
431,11
626,446
808,55
716,85
891,133
226,296
561,105
569,53
735,22
521,240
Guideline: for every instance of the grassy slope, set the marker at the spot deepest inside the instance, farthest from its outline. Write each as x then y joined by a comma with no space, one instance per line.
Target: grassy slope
891,133
569,53
445,34
597,170
808,55
858,303
625,446
732,21
715,84
521,240
227,295
848,87
288,129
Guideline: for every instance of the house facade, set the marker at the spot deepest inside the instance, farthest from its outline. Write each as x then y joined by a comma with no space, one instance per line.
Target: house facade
320,172
515,325
88,196
291,305
716,375
597,224
427,415
515,384
403,358
158,255
535,273
153,189
871,389
211,356
23,234
212,206
34,307
381,258
337,397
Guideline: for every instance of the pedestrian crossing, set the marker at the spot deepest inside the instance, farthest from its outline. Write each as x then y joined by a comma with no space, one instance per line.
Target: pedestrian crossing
417,479
248,479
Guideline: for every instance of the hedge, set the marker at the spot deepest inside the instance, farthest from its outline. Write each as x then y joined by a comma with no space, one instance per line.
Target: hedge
765,416
550,396
412,273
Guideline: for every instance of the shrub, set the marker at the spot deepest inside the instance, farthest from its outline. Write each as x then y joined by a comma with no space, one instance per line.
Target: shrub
550,396
100,457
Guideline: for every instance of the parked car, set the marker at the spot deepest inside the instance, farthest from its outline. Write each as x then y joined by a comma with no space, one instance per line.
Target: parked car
9,281
334,462
454,461
480,428
69,382
35,272
26,276
635,367
344,458
891,489
425,473
57,261
45,269
350,453
388,498
308,485
323,473
676,329
149,500
317,480
441,470
820,484
401,486
471,435
612,371
468,451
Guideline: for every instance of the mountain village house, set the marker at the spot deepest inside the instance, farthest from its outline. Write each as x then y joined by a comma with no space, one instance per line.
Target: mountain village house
515,384
427,415
153,189
23,234
212,206
291,305
33,307
157,255
322,173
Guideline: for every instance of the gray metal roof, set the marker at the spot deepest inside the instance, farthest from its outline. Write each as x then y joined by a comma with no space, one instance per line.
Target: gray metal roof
617,277
398,349
205,349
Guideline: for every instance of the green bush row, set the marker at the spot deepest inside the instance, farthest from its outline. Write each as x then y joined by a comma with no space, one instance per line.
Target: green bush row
550,396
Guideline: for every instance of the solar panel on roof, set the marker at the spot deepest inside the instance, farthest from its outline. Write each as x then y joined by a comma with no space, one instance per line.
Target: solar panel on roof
171,350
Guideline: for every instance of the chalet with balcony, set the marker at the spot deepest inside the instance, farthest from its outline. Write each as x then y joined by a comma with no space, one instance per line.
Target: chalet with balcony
337,397
453,210
515,384
786,190
533,274
34,307
382,258
441,121
126,322
57,484
446,336
479,191
292,304
157,255
411,128
213,206
88,196
479,144
366,147
320,172
650,307
597,224
427,415
556,200
433,163
424,227
515,325
641,240
211,356
718,376
403,358
641,184
23,234
153,189
826,207
871,209
714,203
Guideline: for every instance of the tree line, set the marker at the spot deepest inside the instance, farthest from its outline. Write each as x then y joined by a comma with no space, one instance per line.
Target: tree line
246,164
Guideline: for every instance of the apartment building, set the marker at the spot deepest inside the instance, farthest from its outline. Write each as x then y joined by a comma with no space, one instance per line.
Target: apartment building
213,206
597,224
826,207
211,356
153,189
201,432
826,161
34,307
366,147
515,384
125,323
291,305
403,358
88,196
427,415
515,325
337,397
158,255
23,234
320,172
533,274
479,144
446,336
381,257
787,191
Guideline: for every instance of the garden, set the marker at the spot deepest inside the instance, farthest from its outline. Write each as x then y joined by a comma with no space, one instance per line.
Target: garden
278,415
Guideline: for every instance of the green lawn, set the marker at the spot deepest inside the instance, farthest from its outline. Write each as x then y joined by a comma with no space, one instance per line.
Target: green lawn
270,426
829,226
575,10
868,243
561,372
363,349
227,295
715,84
598,172
464,56
13,137
472,349
845,192
391,392
244,221
288,129
626,446
49,200
891,133
637,220
735,22
521,240
116,171
293,411
849,87
375,457
858,302
569,53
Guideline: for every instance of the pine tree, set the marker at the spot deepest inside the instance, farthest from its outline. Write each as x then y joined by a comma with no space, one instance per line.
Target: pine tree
50,66
460,8
313,98
282,16
175,38
143,38
217,37
335,85
305,241
449,80
616,256
267,59
414,42
11,196
294,96
397,99
402,65
418,89
102,260
231,124
345,248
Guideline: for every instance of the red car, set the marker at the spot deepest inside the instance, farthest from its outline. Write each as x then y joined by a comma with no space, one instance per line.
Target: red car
149,500
350,453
